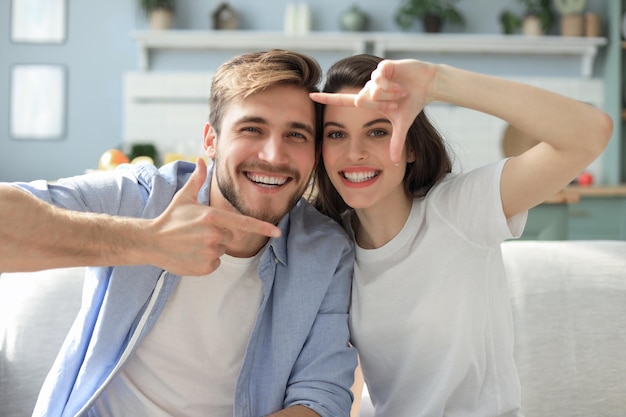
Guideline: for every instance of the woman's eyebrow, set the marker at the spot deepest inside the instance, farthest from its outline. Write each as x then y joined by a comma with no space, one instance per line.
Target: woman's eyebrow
333,124
376,121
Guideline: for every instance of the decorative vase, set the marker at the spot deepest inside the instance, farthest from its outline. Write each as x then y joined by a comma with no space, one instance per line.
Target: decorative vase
432,23
592,25
353,20
531,26
225,17
572,24
160,19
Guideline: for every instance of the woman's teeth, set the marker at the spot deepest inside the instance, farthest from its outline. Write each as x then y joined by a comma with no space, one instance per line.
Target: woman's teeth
359,176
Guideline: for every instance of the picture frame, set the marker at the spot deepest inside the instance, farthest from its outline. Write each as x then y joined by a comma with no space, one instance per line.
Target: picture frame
38,21
38,102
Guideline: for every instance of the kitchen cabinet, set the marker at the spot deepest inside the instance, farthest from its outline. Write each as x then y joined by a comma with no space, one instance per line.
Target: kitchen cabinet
600,213
598,218
580,213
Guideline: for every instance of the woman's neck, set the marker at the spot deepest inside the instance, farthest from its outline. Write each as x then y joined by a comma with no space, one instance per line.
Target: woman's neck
377,225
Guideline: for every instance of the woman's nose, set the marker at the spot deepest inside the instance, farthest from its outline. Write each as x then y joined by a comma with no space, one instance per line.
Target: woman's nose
356,150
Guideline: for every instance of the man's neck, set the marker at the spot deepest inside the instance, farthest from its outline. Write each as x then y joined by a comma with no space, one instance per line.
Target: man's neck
246,247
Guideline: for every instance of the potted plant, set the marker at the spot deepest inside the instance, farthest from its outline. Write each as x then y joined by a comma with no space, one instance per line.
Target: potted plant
160,13
537,19
432,13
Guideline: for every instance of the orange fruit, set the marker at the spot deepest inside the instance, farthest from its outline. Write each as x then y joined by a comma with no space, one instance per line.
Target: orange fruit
111,158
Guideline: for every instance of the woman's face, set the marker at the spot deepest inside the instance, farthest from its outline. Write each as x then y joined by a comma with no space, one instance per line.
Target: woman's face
356,155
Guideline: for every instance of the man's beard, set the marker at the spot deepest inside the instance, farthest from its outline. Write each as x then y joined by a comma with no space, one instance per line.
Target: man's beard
227,188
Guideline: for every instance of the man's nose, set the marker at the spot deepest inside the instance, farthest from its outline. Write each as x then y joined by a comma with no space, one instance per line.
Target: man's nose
274,150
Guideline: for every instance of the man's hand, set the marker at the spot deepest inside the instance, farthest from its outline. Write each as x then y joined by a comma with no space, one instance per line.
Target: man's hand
192,236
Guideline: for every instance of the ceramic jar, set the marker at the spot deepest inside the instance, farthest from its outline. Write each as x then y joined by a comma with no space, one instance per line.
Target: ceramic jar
353,20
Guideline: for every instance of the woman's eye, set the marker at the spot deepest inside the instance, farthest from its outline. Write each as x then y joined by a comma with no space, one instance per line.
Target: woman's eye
378,132
335,135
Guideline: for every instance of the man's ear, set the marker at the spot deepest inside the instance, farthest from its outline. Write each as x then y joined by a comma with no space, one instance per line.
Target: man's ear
210,140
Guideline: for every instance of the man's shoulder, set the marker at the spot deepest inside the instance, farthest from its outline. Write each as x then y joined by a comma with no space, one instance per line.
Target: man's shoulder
306,218
175,173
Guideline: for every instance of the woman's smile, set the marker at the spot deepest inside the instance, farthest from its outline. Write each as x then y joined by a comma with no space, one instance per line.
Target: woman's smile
359,176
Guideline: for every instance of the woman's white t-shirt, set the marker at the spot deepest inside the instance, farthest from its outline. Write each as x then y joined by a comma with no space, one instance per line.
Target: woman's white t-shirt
431,315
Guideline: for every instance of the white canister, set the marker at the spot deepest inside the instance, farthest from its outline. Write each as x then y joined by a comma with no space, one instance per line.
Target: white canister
291,17
304,18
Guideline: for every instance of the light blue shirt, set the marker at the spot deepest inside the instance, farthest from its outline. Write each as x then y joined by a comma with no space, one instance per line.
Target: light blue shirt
298,352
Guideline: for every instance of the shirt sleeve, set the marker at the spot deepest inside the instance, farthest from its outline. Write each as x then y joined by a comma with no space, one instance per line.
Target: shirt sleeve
100,192
324,370
472,204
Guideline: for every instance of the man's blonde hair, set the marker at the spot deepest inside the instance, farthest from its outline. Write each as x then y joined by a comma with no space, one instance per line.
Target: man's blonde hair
250,73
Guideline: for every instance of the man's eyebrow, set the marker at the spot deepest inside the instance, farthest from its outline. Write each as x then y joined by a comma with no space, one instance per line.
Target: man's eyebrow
302,126
261,120
251,119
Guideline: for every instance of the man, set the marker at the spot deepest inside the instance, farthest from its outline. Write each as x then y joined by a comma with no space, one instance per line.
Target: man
212,310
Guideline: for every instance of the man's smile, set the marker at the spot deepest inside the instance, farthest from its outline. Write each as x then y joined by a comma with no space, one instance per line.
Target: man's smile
268,181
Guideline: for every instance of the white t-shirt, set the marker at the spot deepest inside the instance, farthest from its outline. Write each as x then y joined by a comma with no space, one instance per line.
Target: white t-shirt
189,362
430,313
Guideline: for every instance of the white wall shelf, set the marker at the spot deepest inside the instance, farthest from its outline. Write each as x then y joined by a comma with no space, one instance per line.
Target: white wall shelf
379,43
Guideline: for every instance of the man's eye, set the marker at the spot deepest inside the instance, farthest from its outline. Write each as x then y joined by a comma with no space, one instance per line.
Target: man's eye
298,135
251,129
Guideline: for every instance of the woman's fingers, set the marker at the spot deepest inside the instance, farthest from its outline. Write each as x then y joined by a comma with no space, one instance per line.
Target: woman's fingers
334,99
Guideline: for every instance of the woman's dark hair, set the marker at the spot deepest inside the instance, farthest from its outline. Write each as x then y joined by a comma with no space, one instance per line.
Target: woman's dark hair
432,161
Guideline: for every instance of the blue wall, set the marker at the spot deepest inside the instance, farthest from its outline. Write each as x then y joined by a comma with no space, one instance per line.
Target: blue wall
99,49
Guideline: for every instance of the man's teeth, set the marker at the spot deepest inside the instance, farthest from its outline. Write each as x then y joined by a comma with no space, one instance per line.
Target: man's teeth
359,176
266,181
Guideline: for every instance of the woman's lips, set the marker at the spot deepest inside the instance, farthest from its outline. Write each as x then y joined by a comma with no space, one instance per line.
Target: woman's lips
359,177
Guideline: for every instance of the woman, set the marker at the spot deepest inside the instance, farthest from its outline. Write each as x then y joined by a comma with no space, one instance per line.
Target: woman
430,311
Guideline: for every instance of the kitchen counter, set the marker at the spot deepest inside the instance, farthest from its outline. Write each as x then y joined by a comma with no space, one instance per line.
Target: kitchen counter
598,190
572,194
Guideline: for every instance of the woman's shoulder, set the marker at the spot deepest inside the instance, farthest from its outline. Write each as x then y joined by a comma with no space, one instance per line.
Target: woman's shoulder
469,182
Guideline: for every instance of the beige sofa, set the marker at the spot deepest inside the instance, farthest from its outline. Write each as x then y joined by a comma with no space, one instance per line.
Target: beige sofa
569,306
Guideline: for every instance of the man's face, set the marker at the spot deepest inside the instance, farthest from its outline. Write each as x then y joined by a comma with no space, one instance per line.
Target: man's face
265,153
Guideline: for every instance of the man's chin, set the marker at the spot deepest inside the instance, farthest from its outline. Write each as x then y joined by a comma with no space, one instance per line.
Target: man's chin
270,213
270,216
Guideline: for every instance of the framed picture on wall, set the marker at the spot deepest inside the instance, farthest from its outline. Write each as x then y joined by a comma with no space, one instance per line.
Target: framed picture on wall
38,21
38,102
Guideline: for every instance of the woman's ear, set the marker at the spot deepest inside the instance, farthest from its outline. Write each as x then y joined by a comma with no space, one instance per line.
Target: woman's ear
210,140
410,156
